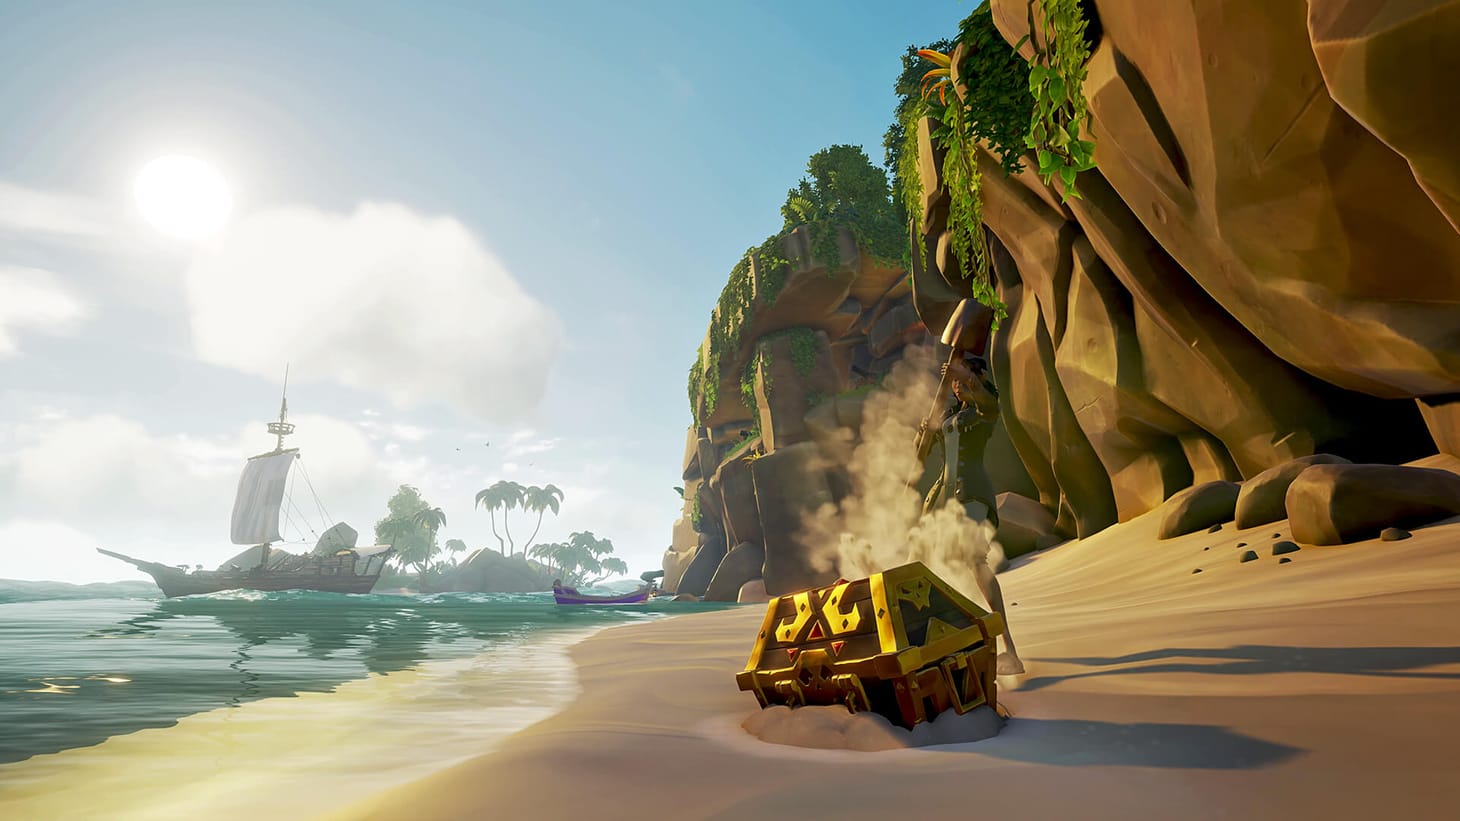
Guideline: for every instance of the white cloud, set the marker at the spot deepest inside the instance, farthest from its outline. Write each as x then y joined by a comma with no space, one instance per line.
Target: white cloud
46,550
34,300
382,299
28,211
111,477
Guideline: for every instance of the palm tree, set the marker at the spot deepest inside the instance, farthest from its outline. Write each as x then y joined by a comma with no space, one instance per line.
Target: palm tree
512,497
491,499
551,554
539,500
453,547
505,495
396,528
432,519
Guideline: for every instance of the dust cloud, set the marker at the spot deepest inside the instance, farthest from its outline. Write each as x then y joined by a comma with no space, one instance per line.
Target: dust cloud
880,524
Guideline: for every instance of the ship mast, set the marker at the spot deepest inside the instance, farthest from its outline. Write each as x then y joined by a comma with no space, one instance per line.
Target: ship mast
282,428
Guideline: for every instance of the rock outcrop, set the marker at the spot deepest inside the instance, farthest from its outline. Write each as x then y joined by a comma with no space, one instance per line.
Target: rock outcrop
786,418
1261,268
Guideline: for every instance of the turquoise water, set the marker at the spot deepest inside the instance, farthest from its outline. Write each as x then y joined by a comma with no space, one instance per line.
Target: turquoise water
77,671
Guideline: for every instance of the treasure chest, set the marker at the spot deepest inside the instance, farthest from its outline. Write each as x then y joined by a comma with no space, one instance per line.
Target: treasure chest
902,643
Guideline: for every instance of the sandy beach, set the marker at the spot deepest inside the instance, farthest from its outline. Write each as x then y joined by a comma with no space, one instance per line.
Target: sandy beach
1328,687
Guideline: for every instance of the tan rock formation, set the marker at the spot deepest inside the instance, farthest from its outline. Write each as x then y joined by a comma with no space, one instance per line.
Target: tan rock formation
740,566
1219,132
1391,65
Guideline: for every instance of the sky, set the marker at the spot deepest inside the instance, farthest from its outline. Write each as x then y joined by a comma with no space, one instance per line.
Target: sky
485,238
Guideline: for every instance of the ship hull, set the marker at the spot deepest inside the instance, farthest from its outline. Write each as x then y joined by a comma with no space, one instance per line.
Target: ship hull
326,576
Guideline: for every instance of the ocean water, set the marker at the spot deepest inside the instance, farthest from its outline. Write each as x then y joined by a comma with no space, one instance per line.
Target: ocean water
141,707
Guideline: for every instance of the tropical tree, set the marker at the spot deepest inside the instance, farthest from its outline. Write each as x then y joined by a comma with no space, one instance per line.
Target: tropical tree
507,496
453,547
585,559
392,530
431,519
410,540
550,554
539,500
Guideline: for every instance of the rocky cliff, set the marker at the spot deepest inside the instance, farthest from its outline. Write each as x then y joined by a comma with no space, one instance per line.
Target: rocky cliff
1264,266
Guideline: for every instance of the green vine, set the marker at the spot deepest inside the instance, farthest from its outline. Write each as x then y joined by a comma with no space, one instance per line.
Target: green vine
803,350
842,190
1057,80
1003,104
695,517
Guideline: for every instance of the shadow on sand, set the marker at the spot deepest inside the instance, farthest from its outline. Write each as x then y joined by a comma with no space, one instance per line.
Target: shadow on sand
1078,743
1253,659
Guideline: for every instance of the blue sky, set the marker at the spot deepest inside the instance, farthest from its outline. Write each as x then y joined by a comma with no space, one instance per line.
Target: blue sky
611,160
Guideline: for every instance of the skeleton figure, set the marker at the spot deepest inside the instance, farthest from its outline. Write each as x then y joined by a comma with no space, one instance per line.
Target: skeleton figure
964,434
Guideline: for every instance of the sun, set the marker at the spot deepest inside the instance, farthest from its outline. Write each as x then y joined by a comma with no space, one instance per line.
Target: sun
183,197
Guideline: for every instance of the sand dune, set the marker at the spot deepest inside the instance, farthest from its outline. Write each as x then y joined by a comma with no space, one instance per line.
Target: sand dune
1326,687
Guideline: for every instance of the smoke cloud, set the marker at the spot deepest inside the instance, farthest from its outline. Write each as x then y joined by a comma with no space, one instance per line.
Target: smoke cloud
880,524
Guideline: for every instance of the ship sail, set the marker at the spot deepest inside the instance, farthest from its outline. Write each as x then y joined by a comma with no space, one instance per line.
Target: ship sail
260,495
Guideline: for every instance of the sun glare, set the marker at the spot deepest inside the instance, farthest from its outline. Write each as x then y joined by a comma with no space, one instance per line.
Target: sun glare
183,197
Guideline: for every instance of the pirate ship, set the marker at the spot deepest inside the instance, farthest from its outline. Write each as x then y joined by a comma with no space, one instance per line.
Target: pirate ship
335,565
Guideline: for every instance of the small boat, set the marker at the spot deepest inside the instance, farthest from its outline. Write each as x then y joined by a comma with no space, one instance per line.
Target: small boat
567,595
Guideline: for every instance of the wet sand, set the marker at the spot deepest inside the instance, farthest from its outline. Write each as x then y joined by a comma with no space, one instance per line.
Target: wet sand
1326,687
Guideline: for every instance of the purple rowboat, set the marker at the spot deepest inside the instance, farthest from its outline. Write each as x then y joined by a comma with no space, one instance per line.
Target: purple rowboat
569,596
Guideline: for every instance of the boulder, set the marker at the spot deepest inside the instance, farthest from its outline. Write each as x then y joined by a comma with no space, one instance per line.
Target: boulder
1022,524
702,567
753,592
789,484
740,565
1262,498
1198,508
1337,504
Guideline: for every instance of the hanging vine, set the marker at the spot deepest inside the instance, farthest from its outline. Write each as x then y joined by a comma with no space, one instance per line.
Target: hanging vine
1003,104
1057,80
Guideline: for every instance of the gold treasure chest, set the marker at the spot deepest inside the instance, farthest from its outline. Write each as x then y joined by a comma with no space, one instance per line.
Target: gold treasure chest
902,643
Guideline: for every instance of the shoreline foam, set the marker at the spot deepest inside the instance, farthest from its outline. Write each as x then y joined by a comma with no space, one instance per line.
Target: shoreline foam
297,757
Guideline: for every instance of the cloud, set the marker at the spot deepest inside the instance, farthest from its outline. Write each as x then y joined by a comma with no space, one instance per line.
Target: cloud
110,475
46,550
27,211
381,299
34,299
